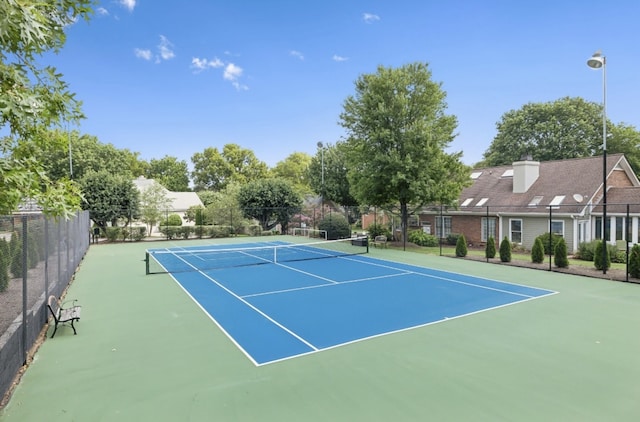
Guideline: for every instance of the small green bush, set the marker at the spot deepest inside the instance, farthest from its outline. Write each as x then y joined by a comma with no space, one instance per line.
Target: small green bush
461,246
452,239
598,261
336,225
537,252
634,261
112,233
172,220
378,230
586,251
560,255
505,250
4,264
420,238
490,249
544,238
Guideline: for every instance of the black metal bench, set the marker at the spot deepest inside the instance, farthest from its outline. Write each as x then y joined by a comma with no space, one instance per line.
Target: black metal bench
63,315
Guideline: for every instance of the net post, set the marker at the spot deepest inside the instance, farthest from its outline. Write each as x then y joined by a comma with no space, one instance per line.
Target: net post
146,263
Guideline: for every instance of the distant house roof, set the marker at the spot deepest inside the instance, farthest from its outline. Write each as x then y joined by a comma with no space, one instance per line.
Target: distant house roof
568,184
180,201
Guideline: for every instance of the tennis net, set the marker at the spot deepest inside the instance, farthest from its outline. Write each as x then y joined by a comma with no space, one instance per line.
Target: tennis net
199,259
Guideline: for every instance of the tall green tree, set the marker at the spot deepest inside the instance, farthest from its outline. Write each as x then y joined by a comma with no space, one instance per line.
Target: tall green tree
270,201
556,130
397,135
214,169
109,198
34,98
294,169
170,172
328,175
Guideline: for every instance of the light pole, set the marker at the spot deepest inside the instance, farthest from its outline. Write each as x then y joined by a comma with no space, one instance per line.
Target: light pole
598,61
321,146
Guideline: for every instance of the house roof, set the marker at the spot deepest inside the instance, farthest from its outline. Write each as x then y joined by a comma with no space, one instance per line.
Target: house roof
180,201
618,198
566,185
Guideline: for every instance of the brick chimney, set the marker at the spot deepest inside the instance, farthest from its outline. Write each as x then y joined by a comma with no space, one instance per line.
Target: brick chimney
525,173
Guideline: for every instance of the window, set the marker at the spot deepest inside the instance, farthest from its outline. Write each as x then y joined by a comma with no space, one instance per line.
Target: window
556,201
535,201
475,175
557,227
447,226
515,231
507,173
482,202
488,228
599,228
466,202
619,228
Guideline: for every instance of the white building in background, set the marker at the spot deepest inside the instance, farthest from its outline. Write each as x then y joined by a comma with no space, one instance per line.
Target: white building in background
180,202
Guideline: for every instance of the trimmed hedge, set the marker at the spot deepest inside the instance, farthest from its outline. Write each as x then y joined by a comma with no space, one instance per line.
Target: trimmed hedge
505,250
490,249
461,246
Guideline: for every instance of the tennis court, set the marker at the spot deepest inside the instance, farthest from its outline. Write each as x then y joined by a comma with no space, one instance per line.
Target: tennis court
318,296
146,351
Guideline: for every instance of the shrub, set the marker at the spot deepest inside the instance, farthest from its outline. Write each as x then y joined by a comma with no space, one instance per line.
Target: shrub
452,239
505,250
140,233
555,238
537,252
336,225
560,255
598,261
4,264
254,230
378,230
490,249
634,261
172,220
112,233
186,231
461,246
586,250
15,246
420,238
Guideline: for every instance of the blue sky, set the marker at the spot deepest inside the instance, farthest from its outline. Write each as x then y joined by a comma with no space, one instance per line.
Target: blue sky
164,77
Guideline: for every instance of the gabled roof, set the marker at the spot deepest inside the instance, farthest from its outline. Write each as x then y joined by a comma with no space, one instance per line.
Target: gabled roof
618,198
180,201
570,184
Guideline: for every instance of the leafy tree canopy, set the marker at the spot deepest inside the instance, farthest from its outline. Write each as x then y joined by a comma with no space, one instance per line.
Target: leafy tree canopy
34,98
294,169
109,197
397,133
213,170
270,201
170,172
556,130
328,175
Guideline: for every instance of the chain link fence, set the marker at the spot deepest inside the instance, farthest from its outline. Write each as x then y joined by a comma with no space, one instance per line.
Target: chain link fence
38,257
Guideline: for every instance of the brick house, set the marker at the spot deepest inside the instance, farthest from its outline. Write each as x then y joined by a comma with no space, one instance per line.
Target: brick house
528,198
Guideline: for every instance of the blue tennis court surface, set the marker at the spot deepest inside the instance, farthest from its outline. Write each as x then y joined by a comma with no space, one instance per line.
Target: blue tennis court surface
287,309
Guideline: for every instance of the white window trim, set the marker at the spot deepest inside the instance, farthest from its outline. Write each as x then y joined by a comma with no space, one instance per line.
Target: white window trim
511,231
563,226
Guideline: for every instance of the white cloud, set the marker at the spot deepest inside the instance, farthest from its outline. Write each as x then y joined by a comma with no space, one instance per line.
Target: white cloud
232,72
128,4
297,54
337,58
143,54
370,17
165,48
102,11
204,64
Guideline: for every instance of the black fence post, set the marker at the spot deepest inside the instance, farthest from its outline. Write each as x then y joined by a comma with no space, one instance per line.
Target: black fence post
626,241
25,248
550,236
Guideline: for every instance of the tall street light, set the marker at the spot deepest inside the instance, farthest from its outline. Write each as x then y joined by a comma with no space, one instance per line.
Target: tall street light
321,146
598,61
